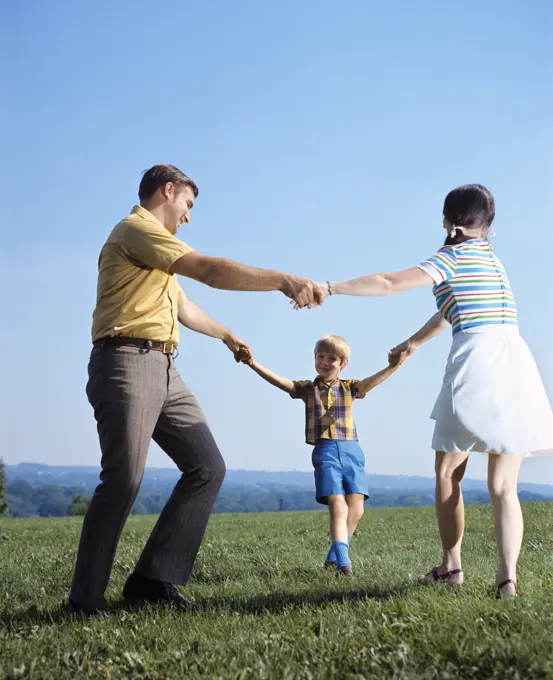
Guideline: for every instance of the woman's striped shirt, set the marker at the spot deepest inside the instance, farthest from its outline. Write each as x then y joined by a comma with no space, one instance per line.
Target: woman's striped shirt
472,288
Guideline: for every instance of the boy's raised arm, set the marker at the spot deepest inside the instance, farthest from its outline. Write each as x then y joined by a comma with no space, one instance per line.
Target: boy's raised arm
284,384
367,384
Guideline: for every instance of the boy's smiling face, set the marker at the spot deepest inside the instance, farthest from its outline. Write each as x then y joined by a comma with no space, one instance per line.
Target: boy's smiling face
327,364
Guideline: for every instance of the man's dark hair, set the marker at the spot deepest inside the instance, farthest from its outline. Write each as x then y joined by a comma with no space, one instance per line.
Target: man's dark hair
158,176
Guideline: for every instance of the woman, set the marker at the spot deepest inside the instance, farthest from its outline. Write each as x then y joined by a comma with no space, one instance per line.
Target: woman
492,399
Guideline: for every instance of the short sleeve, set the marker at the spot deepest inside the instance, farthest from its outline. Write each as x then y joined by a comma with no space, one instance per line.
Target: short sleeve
441,267
152,245
301,389
354,387
181,297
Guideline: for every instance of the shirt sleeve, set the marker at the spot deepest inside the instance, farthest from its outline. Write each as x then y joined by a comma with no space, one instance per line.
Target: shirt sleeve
301,389
354,387
153,246
441,267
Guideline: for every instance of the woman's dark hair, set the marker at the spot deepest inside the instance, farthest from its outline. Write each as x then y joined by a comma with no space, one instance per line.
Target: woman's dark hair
158,176
471,205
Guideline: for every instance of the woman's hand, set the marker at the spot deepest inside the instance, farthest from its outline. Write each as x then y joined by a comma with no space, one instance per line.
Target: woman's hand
408,347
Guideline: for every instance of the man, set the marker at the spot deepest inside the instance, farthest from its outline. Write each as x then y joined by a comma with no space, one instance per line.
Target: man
138,395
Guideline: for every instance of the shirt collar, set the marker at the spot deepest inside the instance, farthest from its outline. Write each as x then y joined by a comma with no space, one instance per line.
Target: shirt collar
145,214
320,383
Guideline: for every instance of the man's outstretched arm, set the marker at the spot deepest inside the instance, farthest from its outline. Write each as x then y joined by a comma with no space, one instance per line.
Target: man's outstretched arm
218,272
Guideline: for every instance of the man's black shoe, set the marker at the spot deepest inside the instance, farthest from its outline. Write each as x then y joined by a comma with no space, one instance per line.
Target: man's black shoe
75,611
139,589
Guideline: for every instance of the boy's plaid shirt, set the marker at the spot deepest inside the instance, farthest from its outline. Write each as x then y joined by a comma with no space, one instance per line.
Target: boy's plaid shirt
328,408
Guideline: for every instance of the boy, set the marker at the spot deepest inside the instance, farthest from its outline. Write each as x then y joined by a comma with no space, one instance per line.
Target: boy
339,462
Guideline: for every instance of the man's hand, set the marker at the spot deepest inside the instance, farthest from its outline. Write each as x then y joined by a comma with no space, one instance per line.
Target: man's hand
302,291
397,355
320,293
240,349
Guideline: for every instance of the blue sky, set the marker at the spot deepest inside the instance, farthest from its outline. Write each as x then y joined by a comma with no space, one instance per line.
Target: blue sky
323,138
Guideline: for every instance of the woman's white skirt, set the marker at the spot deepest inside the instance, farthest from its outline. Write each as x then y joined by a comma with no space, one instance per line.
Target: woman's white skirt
492,398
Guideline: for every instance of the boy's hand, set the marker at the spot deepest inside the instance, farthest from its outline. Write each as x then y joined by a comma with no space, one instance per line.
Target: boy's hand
239,348
245,356
396,359
393,355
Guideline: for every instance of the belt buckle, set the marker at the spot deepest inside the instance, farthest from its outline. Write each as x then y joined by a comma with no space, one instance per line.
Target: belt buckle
165,348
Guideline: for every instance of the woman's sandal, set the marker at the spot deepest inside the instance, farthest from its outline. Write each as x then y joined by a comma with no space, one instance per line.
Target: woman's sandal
434,577
501,595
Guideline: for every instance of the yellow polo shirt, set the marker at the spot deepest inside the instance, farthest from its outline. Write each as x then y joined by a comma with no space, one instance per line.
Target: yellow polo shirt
136,295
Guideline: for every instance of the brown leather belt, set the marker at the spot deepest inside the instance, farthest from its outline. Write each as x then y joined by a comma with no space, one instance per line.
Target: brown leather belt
157,345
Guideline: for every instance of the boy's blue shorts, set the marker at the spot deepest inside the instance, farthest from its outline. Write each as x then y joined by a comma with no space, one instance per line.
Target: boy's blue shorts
339,469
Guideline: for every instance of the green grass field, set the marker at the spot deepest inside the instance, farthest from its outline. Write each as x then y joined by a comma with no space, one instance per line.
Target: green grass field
269,610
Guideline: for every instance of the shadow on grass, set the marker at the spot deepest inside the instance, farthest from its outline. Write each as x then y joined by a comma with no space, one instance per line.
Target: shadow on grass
261,573
276,603
36,617
273,603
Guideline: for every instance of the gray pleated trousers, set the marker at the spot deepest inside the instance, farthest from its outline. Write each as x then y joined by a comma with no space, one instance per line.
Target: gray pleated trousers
138,395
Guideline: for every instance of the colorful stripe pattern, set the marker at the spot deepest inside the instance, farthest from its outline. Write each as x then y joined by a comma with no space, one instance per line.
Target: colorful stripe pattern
472,288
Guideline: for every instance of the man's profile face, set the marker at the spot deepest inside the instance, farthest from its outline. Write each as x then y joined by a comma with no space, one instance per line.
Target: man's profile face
180,199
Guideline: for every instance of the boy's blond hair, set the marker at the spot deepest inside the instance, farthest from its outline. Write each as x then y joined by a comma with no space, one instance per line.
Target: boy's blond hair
336,344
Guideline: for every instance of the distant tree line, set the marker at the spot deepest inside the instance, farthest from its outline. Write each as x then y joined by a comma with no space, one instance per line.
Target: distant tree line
50,500
3,491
